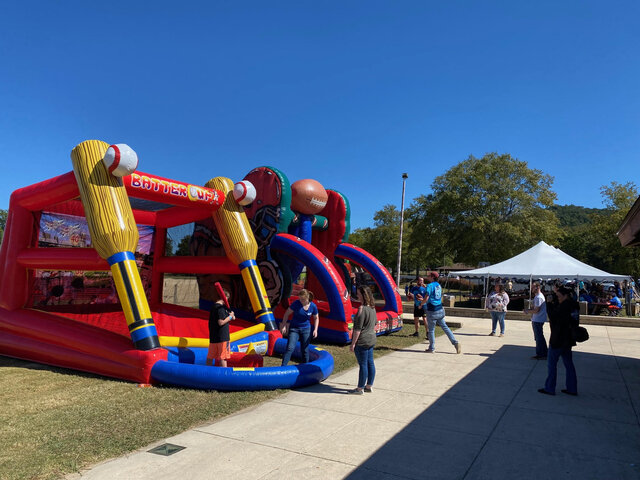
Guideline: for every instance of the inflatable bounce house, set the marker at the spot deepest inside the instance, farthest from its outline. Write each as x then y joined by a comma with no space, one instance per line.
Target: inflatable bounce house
62,236
82,269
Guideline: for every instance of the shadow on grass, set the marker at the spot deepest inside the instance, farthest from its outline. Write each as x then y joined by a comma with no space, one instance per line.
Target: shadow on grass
27,364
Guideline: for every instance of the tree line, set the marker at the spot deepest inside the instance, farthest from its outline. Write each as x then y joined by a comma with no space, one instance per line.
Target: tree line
491,208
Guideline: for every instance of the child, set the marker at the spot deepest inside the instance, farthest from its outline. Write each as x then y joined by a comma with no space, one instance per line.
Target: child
219,319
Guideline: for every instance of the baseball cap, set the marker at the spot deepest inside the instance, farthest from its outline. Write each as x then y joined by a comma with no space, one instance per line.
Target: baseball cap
435,275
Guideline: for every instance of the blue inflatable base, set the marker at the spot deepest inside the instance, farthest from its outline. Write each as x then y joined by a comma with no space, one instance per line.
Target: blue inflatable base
186,367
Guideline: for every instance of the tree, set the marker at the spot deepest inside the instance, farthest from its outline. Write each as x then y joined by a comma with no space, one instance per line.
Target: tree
602,249
484,209
382,240
168,247
3,222
183,246
573,215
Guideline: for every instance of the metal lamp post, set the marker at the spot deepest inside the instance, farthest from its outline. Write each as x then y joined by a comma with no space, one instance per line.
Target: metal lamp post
404,181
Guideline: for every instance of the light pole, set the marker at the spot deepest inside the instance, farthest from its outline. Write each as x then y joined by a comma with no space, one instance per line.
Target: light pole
404,181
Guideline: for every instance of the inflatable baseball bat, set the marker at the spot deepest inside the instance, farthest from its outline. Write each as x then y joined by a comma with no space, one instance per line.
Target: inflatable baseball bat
241,248
221,294
192,342
114,235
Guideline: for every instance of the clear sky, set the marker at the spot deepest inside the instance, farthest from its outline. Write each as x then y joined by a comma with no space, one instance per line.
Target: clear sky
350,93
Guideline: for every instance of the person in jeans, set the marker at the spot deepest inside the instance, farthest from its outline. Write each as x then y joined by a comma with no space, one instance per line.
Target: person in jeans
364,339
562,318
435,313
538,317
497,306
417,294
302,313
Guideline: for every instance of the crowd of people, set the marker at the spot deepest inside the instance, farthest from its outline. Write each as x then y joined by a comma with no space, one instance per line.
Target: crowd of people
560,307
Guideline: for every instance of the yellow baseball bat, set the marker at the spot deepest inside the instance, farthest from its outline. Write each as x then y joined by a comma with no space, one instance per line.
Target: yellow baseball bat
184,342
114,235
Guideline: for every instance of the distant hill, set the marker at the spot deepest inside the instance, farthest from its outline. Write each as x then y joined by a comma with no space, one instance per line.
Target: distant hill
574,215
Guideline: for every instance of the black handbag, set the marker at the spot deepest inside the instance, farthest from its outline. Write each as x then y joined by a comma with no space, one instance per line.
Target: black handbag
579,334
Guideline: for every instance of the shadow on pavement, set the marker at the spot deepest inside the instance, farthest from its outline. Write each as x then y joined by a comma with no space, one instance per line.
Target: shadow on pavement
493,424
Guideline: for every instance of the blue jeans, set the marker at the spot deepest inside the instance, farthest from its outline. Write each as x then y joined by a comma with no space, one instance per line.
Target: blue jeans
495,318
552,370
541,343
367,373
296,333
437,318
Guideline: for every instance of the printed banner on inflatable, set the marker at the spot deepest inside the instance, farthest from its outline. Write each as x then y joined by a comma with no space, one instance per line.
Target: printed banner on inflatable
77,288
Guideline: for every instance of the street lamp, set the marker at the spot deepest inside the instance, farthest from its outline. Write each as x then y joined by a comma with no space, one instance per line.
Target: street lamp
404,181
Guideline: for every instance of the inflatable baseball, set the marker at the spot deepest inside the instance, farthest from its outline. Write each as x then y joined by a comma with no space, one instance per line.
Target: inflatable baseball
244,192
121,160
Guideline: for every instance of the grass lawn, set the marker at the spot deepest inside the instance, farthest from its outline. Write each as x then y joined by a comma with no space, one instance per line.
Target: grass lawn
56,421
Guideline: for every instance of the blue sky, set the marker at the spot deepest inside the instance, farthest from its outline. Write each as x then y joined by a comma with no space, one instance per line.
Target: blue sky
350,93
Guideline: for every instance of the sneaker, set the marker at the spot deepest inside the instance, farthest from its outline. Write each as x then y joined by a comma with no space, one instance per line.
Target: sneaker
492,334
368,389
429,350
355,391
574,394
458,348
542,390
502,334
415,334
539,357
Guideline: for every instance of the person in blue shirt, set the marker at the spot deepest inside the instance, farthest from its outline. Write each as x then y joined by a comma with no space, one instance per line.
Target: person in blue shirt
407,289
614,304
417,293
302,312
435,313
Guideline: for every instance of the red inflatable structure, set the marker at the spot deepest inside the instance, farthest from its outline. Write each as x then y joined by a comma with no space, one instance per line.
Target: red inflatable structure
58,304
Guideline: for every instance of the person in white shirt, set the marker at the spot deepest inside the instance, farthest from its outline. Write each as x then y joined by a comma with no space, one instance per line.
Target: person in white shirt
538,317
497,306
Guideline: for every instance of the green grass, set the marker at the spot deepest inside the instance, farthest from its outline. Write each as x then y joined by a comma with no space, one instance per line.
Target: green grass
56,421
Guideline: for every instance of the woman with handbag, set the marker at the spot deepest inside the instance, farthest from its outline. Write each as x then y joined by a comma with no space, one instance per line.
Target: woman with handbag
563,319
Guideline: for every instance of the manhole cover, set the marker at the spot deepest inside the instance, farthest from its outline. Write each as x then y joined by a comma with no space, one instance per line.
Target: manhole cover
166,449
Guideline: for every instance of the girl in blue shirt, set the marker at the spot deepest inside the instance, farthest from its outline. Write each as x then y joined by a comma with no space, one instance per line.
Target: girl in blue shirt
302,312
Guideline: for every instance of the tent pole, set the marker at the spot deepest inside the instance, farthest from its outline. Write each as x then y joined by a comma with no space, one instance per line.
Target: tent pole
486,290
530,286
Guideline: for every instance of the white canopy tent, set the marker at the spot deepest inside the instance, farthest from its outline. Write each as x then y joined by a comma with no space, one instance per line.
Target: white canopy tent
542,261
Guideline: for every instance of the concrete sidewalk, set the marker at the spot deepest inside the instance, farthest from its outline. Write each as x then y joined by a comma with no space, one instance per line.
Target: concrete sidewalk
444,416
